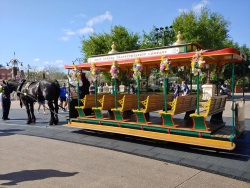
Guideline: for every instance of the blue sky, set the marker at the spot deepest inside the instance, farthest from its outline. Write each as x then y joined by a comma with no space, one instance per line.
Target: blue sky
48,32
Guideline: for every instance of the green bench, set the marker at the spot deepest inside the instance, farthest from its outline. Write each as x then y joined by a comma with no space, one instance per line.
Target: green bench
213,107
180,105
88,102
150,104
107,103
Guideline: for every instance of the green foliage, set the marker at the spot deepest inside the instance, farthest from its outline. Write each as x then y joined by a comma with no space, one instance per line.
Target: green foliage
149,40
1,90
209,29
100,43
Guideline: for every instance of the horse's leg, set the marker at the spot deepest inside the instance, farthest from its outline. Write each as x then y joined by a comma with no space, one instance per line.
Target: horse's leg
56,120
27,110
51,107
33,118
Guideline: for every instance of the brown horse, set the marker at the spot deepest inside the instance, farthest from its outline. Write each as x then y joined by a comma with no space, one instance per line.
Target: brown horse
31,92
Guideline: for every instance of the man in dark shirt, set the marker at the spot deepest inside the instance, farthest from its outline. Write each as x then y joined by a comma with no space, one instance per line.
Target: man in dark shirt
185,89
92,89
176,89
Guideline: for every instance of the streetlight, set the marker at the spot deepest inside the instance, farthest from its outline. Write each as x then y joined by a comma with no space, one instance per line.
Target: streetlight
14,62
78,59
29,69
163,33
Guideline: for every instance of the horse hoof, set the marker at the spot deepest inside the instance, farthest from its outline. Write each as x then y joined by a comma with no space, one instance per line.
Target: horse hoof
50,123
33,121
28,122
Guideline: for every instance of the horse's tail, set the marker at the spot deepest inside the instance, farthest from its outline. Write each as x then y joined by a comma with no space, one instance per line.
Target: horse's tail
58,90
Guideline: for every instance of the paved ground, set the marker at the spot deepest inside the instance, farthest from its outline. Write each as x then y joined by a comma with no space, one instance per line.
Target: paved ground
28,161
235,164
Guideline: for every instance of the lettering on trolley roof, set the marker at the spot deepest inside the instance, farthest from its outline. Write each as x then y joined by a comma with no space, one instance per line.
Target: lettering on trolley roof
119,57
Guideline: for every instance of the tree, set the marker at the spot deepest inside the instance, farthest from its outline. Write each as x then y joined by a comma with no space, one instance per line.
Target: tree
238,69
100,43
209,29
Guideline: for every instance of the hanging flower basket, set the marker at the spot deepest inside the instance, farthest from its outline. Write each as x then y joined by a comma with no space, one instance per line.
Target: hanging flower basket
197,63
114,70
137,68
165,67
93,74
220,69
76,76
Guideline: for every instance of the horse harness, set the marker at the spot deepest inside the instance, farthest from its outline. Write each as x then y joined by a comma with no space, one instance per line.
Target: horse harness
26,87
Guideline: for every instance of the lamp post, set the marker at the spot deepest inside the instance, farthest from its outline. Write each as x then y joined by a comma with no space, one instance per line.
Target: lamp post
14,62
29,69
78,59
163,33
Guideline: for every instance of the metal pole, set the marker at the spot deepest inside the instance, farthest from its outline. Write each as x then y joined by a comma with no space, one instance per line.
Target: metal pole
191,82
167,86
78,93
138,92
96,94
232,98
217,80
198,88
115,95
147,84
165,93
243,79
69,94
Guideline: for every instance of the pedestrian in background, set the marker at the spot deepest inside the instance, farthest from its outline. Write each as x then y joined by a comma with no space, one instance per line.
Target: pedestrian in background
42,103
176,89
5,101
63,97
92,89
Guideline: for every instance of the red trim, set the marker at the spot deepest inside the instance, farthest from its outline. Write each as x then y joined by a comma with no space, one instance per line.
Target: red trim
162,120
100,123
82,121
95,114
119,125
78,112
168,131
204,123
193,121
136,118
83,112
200,136
141,127
240,134
122,116
145,119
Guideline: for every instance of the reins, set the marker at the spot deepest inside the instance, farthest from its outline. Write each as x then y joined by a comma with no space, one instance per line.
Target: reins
35,100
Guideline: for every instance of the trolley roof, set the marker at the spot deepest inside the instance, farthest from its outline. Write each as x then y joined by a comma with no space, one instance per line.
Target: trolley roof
180,55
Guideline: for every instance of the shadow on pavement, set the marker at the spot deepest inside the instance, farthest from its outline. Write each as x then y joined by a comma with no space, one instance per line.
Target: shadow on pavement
31,175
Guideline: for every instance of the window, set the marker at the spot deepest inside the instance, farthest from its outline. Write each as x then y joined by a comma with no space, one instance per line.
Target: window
3,77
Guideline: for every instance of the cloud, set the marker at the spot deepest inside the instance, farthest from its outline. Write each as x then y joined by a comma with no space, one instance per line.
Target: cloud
81,15
100,19
70,33
37,59
72,21
182,10
197,7
58,63
85,30
64,38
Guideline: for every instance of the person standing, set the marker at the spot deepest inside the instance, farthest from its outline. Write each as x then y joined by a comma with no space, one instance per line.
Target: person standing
42,103
185,89
92,89
5,101
63,96
176,89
